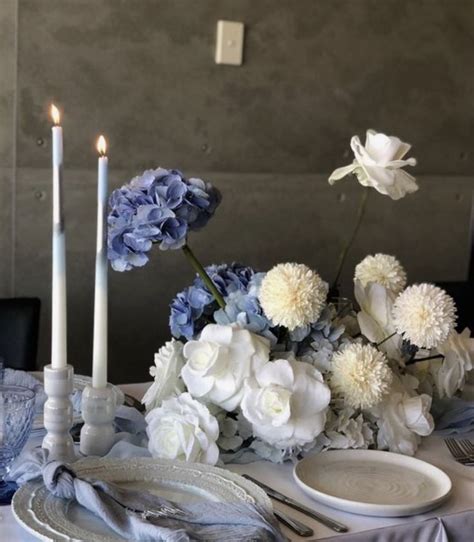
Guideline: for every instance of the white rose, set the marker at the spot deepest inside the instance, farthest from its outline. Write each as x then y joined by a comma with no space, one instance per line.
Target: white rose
218,363
379,165
184,429
375,317
450,374
286,403
166,372
403,417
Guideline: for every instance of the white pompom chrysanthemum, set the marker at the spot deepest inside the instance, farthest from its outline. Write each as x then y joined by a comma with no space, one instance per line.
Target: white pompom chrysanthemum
424,314
292,295
361,375
382,269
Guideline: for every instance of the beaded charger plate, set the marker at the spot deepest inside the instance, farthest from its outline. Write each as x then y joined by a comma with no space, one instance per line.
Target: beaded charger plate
53,519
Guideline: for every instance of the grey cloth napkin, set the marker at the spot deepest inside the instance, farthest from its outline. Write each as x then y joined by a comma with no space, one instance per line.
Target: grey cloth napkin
124,511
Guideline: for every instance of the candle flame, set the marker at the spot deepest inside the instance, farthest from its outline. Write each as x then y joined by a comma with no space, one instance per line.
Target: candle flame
55,115
102,145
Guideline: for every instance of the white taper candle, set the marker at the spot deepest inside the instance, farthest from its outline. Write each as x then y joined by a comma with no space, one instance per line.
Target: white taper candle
99,359
58,295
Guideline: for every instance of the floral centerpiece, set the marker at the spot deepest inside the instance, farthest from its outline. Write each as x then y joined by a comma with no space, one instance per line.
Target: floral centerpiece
270,364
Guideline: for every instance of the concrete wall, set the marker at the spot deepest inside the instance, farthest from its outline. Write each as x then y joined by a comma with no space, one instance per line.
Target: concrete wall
8,63
266,133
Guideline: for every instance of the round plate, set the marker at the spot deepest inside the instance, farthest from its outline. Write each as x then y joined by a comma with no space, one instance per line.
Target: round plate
372,483
80,382
53,519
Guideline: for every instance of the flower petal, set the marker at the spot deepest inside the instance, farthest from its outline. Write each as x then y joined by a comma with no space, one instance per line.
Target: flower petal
278,373
307,428
341,172
404,184
361,155
217,334
369,327
417,415
383,148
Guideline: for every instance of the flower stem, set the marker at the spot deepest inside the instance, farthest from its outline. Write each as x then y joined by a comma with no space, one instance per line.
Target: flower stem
204,276
348,245
412,361
386,339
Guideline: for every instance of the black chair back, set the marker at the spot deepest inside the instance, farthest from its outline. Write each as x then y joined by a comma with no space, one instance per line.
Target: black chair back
19,325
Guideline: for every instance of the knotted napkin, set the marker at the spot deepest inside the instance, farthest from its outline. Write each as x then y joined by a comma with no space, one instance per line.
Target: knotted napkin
136,515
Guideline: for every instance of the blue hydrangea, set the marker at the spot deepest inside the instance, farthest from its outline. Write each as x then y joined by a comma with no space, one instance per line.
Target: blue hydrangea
193,308
317,342
161,206
228,278
187,316
243,308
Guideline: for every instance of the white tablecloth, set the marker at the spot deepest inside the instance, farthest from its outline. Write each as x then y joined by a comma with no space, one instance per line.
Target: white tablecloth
280,477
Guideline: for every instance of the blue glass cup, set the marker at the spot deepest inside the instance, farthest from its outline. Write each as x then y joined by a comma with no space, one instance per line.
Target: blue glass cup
17,408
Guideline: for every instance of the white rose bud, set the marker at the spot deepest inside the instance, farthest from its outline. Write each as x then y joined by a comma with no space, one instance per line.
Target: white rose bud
183,428
379,165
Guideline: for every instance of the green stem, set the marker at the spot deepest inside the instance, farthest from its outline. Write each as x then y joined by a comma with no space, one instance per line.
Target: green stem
345,250
386,339
204,276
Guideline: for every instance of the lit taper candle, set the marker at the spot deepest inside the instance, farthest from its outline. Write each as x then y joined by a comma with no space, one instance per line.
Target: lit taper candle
58,376
58,312
99,359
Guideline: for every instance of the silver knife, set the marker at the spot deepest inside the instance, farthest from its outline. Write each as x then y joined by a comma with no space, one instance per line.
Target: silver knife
296,526
274,494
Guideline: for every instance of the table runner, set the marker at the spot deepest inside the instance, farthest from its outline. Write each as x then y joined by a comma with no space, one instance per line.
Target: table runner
450,528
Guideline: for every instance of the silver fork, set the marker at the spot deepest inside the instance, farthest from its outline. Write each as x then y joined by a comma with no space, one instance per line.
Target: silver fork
458,453
156,513
467,445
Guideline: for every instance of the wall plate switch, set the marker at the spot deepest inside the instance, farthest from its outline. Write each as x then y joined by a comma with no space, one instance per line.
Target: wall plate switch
229,43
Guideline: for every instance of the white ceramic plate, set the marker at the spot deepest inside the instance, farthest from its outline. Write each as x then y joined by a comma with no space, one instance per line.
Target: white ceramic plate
372,482
80,382
53,519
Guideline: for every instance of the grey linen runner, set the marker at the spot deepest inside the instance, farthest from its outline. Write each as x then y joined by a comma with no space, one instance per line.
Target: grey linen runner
122,510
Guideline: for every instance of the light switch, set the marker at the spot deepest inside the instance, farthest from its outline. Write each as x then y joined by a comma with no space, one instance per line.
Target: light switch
230,43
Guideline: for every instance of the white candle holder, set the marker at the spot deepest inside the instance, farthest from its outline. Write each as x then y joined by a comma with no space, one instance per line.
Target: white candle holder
98,411
58,412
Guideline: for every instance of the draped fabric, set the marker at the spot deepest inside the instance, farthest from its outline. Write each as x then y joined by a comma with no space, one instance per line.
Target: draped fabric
451,528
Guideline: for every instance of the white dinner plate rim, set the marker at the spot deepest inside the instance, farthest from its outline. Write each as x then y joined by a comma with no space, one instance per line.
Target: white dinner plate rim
373,509
28,519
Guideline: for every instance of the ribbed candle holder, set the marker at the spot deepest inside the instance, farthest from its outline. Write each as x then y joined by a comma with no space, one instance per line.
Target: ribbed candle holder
58,412
98,412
